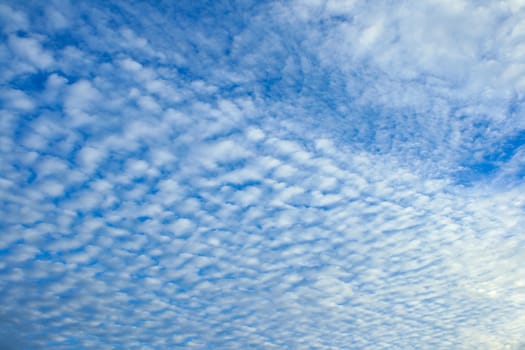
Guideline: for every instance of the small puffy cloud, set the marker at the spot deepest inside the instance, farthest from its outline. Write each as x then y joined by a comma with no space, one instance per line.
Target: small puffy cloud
13,20
82,96
255,134
221,152
90,157
51,166
53,188
149,104
182,227
31,50
56,19
131,65
285,171
17,100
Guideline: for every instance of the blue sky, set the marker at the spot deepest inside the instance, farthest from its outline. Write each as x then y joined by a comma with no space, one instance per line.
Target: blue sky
262,175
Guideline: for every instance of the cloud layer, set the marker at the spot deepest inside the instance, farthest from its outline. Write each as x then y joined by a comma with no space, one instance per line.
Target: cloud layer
289,175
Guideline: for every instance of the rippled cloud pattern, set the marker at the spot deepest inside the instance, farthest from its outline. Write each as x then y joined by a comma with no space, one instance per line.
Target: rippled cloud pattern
262,175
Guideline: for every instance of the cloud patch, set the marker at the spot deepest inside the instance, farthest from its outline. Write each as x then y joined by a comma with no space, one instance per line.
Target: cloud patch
283,175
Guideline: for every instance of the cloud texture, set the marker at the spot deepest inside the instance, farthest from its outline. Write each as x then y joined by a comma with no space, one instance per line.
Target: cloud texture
303,175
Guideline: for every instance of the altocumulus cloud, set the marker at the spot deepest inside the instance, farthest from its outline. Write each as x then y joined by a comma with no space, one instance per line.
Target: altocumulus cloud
278,175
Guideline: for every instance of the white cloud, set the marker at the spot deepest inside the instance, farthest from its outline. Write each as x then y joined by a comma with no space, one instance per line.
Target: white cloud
81,97
31,50
430,61
230,217
90,157
13,20
17,100
148,104
212,154
51,166
131,65
255,134
57,20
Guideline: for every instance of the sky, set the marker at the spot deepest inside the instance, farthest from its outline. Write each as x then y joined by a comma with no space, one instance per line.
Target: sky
302,174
